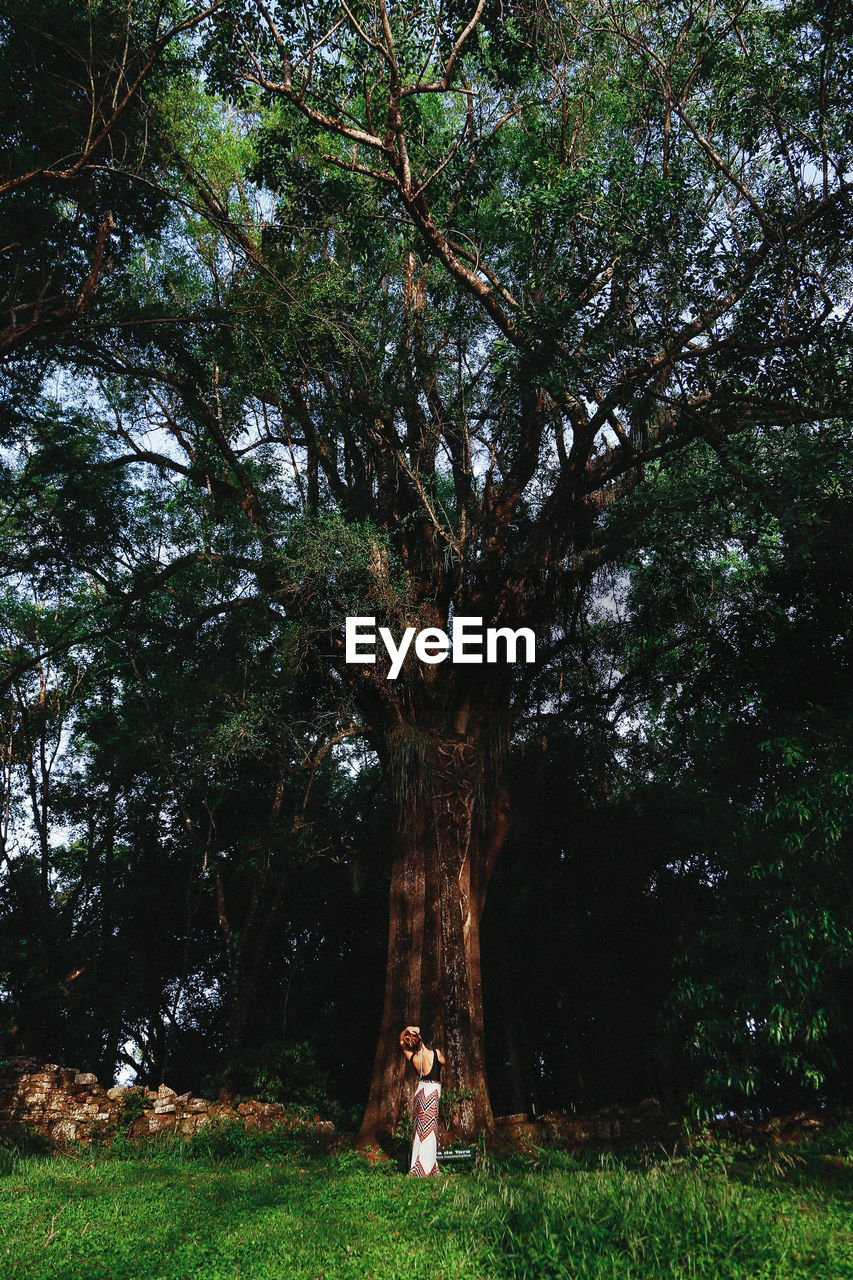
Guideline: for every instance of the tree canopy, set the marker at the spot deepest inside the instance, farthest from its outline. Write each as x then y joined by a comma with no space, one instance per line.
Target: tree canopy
540,316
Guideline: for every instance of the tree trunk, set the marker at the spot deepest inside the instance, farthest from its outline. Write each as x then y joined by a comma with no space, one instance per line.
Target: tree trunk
246,952
522,1094
451,822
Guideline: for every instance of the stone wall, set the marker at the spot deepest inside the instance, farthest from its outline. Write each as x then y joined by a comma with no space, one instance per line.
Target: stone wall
645,1125
615,1125
66,1105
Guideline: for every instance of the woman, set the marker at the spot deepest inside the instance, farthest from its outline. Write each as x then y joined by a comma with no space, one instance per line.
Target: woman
428,1064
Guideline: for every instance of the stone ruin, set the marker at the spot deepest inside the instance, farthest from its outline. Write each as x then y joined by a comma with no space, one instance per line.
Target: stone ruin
646,1125
65,1106
613,1126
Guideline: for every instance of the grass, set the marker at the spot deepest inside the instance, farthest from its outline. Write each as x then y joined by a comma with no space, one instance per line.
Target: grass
236,1205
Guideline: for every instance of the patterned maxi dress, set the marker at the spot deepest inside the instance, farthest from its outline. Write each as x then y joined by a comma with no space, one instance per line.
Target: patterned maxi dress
425,1142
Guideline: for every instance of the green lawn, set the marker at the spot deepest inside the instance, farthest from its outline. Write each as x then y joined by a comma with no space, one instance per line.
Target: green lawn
269,1207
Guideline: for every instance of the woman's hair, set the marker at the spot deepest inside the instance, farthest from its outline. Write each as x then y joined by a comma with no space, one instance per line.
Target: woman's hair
411,1040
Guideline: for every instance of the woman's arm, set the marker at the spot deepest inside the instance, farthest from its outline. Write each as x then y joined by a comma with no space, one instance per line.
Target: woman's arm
413,1052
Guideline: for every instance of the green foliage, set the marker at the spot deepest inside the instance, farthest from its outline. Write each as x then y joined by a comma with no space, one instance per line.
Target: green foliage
343,568
132,1108
741,624
74,137
283,1073
450,1101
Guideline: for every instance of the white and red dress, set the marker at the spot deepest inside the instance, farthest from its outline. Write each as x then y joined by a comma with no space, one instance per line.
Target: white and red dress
425,1142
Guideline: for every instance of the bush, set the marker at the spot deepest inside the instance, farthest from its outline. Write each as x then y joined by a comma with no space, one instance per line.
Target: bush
287,1074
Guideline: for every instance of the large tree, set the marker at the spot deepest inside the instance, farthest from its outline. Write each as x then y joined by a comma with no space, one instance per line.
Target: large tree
510,266
473,275
567,243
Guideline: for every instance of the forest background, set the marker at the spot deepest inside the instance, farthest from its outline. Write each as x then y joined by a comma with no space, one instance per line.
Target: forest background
535,313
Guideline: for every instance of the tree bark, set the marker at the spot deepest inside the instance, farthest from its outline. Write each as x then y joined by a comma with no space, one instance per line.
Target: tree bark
451,822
